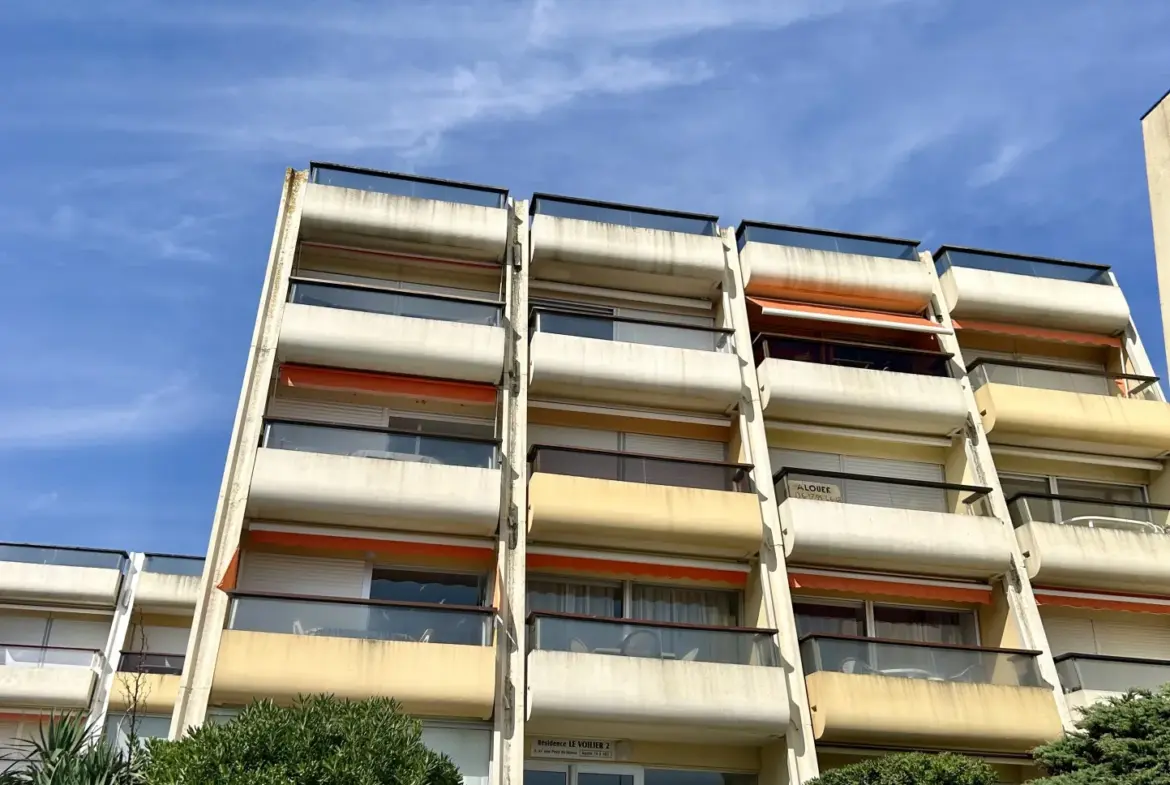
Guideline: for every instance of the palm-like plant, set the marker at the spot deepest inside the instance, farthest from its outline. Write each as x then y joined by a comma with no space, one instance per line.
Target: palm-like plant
63,753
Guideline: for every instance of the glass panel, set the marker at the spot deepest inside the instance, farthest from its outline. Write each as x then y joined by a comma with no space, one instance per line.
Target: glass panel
334,440
1020,266
623,216
920,662
603,778
65,557
540,777
686,606
678,473
847,355
609,329
587,599
354,620
468,748
393,303
925,625
396,185
37,656
677,777
146,726
1084,672
174,565
1111,513
825,241
626,638
1088,382
813,618
139,662
411,586
1029,509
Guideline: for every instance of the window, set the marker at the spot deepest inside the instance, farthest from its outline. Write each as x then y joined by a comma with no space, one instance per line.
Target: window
1114,510
586,599
147,726
468,747
630,600
893,622
429,587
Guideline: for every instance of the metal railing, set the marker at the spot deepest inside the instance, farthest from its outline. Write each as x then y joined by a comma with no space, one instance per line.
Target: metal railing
173,564
623,214
384,443
640,468
1057,377
376,620
581,634
826,240
394,302
794,483
1110,674
63,556
1088,512
397,184
652,332
149,662
924,661
1036,266
15,655
850,354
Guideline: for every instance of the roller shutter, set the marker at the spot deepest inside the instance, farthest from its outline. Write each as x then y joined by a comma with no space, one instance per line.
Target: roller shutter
874,494
314,577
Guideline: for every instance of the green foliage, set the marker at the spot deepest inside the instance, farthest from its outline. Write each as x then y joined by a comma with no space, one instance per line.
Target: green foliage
912,768
62,755
1120,741
320,740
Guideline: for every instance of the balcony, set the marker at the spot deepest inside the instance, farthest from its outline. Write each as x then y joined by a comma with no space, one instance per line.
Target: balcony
169,584
377,477
151,680
47,677
358,326
900,693
1084,543
622,247
68,576
604,499
437,660
858,385
632,361
364,208
1054,407
657,681
825,525
1031,291
1087,678
833,268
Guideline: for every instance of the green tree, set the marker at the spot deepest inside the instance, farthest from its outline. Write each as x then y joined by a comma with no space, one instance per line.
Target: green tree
1119,741
912,768
63,753
320,740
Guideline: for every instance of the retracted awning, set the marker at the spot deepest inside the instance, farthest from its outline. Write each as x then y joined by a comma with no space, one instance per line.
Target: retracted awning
839,315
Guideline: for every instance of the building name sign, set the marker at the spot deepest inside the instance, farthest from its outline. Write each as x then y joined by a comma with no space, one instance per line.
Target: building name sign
817,491
575,749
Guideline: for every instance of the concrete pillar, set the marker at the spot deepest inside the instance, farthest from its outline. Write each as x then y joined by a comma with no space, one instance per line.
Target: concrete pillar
99,703
211,608
1156,134
794,761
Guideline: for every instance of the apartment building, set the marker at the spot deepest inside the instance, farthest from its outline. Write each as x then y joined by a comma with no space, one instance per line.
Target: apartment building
96,631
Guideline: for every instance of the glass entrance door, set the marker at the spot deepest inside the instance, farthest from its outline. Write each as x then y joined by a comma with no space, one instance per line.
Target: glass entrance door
542,773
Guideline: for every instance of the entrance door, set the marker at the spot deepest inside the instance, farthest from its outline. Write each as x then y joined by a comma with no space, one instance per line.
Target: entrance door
548,773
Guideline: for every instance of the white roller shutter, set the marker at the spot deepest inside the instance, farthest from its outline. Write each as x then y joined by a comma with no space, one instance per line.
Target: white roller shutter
558,436
314,577
23,630
11,733
671,447
1149,639
664,335
79,634
157,639
804,459
1069,634
874,494
327,412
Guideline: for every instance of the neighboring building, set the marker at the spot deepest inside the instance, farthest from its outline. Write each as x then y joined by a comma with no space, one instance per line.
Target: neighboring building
91,630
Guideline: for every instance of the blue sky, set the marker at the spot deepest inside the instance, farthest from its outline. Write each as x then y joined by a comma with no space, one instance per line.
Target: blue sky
143,145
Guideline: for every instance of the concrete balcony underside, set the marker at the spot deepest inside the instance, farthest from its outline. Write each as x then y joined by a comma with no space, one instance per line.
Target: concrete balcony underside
54,583
807,275
624,257
349,216
1080,422
162,593
565,366
338,338
606,696
429,679
833,534
861,398
637,516
155,692
376,493
1110,560
48,687
985,295
881,711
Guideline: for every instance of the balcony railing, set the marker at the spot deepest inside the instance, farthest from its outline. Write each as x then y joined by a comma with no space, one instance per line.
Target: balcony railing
1122,515
925,661
384,443
848,488
171,564
623,215
375,620
21,656
63,556
1035,266
636,467
850,354
824,240
1110,674
406,185
394,302
1056,377
620,328
149,662
659,640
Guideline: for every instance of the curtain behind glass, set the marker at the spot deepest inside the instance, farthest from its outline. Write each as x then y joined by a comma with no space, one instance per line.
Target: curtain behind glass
685,606
925,626
582,598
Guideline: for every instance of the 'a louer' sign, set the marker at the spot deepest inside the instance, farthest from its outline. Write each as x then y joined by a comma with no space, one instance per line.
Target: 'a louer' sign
818,491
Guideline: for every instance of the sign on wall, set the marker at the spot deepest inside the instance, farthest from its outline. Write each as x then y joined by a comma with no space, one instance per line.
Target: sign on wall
817,491
574,749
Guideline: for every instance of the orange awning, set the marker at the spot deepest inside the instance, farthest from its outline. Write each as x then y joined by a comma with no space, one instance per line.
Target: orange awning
1065,598
913,590
1038,333
838,315
470,554
316,378
555,562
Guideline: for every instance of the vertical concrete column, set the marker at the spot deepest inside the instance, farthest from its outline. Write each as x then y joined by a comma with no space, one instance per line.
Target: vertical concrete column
99,702
1156,135
794,761
510,710
1016,586
211,607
